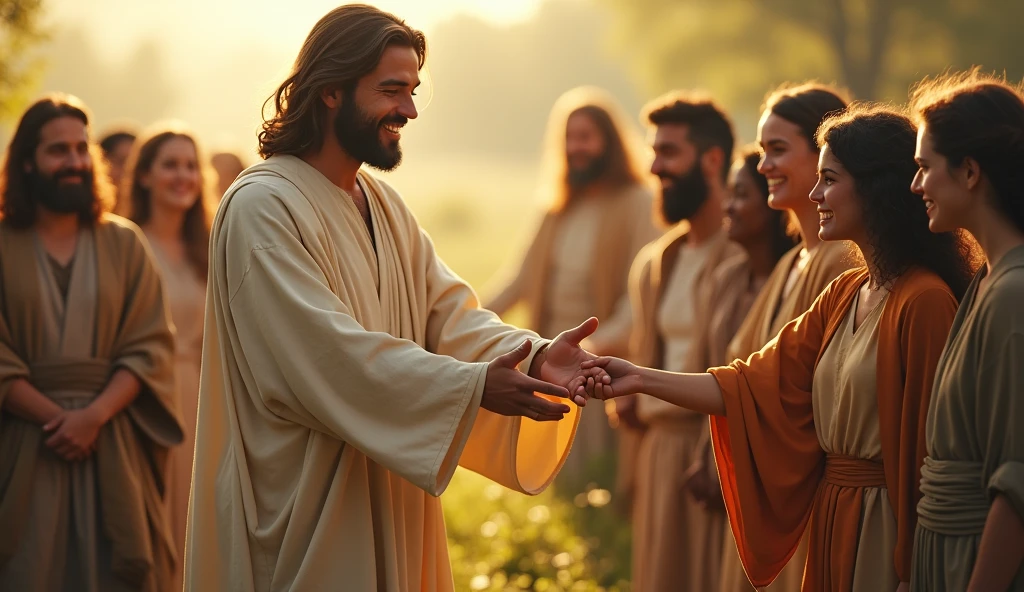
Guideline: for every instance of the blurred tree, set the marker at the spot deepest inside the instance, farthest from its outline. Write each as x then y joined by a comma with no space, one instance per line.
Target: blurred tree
741,48
19,30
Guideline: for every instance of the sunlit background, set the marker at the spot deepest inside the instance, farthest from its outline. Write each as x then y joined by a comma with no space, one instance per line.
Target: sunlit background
471,165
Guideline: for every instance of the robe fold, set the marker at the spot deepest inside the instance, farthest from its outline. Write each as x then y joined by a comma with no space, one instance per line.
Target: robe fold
771,462
98,524
341,386
772,309
974,453
676,541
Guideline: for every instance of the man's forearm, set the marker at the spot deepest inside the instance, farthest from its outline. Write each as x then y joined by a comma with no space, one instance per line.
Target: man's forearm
119,393
25,401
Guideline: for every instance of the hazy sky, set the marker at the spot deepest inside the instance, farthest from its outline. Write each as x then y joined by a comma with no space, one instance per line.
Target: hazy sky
192,29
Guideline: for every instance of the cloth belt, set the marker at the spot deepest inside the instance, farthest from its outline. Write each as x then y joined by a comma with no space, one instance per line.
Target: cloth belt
953,498
70,375
850,471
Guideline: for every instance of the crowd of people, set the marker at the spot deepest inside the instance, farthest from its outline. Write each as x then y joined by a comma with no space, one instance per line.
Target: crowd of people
264,382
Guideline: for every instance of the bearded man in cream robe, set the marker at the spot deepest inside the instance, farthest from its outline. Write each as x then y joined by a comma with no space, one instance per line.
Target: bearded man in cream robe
346,370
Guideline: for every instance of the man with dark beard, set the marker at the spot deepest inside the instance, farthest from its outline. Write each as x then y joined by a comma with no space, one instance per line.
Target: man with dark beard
677,542
577,265
346,370
87,407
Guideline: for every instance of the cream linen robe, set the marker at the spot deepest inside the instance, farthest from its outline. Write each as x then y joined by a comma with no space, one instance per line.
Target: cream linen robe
341,386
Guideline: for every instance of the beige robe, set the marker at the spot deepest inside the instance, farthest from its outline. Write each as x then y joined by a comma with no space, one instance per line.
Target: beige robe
100,524
769,313
341,386
186,297
975,451
845,403
577,266
676,542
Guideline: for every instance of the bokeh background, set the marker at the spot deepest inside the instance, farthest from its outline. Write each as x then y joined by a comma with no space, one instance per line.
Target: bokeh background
472,158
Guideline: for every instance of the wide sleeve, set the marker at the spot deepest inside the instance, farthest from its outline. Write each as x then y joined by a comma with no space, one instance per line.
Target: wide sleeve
144,345
903,409
12,366
766,448
519,453
1000,382
303,354
1004,446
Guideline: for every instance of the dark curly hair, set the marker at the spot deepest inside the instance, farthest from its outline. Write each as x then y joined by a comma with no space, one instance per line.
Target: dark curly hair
876,146
977,116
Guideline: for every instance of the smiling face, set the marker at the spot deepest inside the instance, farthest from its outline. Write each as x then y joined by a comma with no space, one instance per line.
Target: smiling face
677,164
788,162
943,189
174,180
369,122
840,210
61,172
748,217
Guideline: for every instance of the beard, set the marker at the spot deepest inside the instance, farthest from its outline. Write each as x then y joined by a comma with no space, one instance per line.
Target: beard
685,196
63,198
359,136
581,176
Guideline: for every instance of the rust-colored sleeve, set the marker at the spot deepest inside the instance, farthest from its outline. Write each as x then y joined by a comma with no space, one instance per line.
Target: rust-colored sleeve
767,452
924,325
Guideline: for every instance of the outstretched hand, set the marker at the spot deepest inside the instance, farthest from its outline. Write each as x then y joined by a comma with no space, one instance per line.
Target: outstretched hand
606,378
507,391
560,362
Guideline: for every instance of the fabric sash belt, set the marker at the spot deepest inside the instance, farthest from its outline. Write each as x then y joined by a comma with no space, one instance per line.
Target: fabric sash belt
850,471
70,375
953,498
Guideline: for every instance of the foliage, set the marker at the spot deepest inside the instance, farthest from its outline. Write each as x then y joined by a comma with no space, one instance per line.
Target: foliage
19,30
501,540
741,48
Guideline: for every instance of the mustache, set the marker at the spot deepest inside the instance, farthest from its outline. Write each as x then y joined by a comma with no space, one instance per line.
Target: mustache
396,119
69,173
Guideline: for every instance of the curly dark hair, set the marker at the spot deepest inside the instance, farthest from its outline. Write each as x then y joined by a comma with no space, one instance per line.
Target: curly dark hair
978,116
345,45
782,236
708,125
17,207
876,146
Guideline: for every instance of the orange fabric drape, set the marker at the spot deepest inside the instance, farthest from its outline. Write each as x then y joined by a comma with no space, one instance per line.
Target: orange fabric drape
771,465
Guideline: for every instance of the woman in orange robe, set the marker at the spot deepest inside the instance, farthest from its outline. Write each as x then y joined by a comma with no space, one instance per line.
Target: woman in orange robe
823,428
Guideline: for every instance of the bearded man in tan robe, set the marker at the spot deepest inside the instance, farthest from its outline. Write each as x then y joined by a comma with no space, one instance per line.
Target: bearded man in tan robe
346,370
577,264
677,541
87,407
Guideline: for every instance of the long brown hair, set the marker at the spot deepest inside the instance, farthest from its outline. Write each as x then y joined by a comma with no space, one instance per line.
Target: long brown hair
621,143
17,208
343,46
195,229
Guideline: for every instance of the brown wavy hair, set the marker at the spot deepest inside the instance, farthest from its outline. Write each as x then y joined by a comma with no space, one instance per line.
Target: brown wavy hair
17,208
622,144
343,46
138,205
978,116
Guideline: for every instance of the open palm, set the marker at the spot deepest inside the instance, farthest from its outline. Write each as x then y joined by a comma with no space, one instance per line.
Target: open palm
562,359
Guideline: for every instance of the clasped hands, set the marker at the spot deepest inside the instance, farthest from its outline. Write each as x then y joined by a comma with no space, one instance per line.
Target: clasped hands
562,370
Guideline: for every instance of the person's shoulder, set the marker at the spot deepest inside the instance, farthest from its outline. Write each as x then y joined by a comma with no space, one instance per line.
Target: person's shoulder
637,194
121,230
1002,301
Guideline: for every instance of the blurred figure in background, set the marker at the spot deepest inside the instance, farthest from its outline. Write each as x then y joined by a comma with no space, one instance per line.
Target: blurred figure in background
228,166
677,541
577,264
117,145
167,196
87,402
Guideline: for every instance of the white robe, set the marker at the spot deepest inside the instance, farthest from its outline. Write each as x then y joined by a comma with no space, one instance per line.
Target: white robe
341,386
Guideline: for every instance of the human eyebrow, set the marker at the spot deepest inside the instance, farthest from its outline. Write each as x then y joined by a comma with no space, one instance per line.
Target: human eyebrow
398,83
827,170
